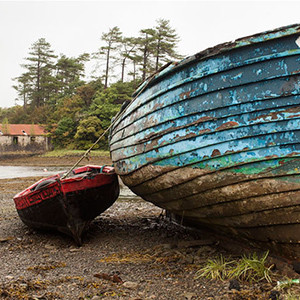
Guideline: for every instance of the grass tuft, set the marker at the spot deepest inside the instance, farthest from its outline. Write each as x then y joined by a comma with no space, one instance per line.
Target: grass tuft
217,268
252,268
249,268
291,296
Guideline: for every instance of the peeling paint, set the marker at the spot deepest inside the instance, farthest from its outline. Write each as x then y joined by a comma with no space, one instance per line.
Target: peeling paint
217,136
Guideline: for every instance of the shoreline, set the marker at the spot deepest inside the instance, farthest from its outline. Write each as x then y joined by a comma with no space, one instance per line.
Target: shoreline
49,161
130,252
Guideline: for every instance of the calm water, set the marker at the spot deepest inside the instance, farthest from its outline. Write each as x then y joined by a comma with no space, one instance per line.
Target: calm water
20,171
10,172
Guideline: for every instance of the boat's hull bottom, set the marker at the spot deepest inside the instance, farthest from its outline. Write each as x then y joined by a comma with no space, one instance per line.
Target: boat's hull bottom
262,207
252,237
71,213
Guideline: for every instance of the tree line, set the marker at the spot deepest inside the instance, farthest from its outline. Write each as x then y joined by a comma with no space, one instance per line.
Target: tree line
52,90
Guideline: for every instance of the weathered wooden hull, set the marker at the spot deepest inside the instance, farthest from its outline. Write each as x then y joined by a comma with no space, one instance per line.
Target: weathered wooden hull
215,139
68,205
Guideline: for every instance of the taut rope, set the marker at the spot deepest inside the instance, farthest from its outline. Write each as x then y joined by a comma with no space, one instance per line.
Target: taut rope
119,114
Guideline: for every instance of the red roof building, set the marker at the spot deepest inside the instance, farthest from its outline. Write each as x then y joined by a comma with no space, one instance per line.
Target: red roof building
23,138
22,129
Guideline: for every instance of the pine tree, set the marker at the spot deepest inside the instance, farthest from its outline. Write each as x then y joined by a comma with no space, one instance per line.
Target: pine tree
23,88
128,45
112,39
69,72
166,41
40,71
146,48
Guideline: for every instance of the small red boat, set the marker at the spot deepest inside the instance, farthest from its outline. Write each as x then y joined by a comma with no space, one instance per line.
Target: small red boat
70,204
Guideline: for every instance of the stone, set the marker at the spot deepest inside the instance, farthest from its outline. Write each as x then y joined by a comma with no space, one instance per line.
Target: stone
189,296
274,295
49,247
130,285
74,249
5,239
234,285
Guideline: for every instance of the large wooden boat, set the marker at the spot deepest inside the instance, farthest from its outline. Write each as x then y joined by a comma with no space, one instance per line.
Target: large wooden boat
215,139
70,204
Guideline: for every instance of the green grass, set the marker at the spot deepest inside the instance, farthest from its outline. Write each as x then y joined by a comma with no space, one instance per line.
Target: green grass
217,268
249,268
291,289
66,152
252,268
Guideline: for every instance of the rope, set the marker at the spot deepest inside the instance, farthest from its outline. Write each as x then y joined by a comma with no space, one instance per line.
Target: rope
119,114
95,143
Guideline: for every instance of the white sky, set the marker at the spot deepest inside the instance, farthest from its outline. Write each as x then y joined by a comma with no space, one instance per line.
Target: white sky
75,27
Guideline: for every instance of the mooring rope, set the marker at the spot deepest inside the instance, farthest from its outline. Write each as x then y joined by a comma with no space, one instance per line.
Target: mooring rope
117,117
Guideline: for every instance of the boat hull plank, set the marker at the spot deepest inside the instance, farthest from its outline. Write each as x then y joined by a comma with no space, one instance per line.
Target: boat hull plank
68,205
215,139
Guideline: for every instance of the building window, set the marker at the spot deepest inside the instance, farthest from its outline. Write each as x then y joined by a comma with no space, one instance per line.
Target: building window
32,139
15,140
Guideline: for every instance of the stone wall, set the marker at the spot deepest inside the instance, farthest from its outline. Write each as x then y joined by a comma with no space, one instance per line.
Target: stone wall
25,143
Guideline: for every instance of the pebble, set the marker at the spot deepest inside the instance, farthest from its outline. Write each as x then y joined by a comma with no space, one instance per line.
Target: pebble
49,247
96,298
274,295
74,249
234,285
130,285
189,296
5,239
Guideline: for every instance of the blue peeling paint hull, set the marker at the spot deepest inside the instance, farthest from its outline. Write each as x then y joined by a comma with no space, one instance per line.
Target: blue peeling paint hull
214,139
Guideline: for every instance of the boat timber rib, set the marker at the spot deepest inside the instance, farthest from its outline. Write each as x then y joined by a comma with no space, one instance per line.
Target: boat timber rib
206,127
159,178
245,205
210,152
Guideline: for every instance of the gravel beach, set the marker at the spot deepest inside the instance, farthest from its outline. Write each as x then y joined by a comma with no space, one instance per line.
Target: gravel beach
131,251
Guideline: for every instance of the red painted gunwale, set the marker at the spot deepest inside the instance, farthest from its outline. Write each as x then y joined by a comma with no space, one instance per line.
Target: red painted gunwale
80,180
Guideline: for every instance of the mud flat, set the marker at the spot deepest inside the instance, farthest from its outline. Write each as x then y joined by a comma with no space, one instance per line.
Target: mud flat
131,251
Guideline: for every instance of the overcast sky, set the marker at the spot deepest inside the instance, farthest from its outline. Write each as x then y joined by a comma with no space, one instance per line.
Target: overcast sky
75,27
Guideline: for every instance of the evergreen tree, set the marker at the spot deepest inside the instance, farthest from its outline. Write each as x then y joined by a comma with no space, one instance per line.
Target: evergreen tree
69,72
128,45
64,133
40,68
166,41
23,88
88,131
146,48
53,92
112,39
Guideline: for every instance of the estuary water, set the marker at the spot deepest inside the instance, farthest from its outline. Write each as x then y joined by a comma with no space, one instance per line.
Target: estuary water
10,172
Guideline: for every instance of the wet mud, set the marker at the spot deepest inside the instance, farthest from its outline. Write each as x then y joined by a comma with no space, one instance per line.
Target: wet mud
131,251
